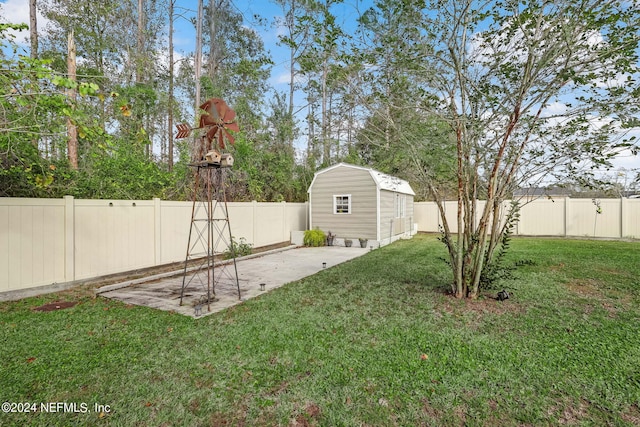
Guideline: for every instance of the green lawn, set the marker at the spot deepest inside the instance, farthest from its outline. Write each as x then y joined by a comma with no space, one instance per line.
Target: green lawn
375,341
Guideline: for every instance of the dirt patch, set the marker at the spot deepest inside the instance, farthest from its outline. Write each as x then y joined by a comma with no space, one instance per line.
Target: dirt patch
53,306
428,409
587,288
497,416
308,417
460,412
312,410
485,304
569,413
632,415
280,388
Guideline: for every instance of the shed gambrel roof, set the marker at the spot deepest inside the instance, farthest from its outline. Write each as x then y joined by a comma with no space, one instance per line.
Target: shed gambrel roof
382,180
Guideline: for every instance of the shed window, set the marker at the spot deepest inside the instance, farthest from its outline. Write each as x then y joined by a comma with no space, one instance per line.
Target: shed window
342,204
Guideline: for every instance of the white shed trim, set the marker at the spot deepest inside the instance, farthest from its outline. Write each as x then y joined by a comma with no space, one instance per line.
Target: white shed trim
391,183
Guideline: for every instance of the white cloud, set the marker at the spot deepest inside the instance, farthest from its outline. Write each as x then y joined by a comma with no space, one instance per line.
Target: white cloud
284,78
617,81
281,27
17,12
556,108
626,161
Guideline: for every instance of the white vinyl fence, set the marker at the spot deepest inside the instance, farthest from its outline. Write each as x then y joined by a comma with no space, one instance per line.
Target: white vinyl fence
48,241
618,218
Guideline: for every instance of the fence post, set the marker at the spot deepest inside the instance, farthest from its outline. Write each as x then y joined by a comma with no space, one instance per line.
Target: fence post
307,215
157,231
566,216
69,239
284,222
254,217
623,211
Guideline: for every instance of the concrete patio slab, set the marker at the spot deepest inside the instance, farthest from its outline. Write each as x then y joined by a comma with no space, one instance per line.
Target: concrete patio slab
273,269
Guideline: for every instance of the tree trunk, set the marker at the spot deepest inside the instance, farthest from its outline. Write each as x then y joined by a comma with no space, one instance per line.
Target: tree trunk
311,137
33,28
198,59
170,112
292,62
458,257
140,44
72,131
214,51
326,147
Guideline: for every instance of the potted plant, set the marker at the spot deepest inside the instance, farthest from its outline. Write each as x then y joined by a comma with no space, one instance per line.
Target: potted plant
363,242
348,242
330,238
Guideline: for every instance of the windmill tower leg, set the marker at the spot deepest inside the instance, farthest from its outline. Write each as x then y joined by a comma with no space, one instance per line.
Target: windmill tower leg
232,246
200,242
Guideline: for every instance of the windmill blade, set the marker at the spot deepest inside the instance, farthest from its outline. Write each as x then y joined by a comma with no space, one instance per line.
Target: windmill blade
221,108
210,107
211,133
212,116
229,116
206,105
232,126
230,137
207,120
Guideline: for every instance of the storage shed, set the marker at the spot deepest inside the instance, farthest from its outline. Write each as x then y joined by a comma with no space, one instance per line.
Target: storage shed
356,202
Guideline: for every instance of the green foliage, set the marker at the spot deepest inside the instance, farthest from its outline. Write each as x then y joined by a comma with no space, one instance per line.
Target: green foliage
268,171
118,171
238,248
495,269
314,238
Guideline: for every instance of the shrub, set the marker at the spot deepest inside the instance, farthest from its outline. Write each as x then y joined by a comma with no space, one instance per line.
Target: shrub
241,248
314,238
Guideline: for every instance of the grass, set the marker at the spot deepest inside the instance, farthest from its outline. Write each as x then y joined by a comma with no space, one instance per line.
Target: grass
375,341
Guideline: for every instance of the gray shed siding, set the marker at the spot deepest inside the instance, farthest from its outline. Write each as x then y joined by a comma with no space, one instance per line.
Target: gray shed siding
362,221
387,213
390,225
410,219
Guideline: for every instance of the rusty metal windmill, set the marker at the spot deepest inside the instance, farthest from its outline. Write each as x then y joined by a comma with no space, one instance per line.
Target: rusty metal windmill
210,231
